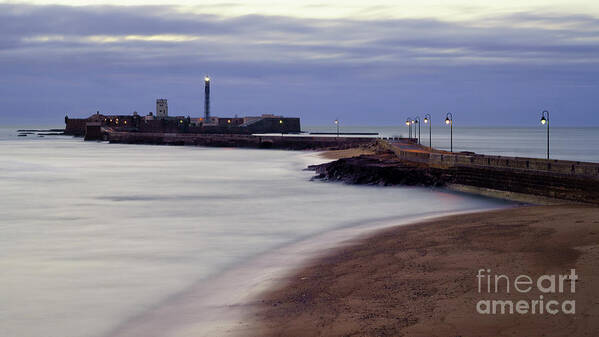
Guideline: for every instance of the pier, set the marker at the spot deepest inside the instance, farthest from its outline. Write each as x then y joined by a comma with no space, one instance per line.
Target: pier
286,142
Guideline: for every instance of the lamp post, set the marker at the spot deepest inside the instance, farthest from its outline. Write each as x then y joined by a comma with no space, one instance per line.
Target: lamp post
427,119
545,120
417,121
409,124
337,124
449,120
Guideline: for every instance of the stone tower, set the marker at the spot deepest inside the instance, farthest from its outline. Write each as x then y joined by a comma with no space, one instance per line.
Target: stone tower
161,108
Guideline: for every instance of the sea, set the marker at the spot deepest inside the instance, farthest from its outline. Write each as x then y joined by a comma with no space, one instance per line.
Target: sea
101,239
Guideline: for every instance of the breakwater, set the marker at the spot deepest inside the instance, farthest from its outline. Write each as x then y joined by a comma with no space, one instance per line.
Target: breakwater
556,179
287,142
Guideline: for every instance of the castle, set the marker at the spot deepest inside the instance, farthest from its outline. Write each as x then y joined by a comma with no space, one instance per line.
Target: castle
161,122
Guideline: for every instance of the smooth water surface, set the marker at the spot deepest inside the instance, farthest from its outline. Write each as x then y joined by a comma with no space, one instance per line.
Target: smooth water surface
94,234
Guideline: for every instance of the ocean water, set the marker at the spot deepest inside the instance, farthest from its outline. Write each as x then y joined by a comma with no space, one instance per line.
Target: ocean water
96,236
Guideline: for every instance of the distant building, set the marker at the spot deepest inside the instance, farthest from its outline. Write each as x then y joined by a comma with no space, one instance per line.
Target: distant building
161,122
161,108
183,124
202,121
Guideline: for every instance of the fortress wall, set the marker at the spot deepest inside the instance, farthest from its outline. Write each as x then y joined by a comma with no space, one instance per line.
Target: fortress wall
75,126
134,123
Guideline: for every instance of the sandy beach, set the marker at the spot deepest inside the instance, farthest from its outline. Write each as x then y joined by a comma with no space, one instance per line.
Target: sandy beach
421,279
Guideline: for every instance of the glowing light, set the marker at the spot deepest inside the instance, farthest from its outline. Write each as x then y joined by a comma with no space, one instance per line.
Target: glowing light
543,120
425,120
447,121
280,121
206,79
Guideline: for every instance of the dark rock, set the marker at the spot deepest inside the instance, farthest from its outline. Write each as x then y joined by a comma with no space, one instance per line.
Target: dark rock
381,170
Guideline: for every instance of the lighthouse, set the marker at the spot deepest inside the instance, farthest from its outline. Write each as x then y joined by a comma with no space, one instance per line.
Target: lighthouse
207,98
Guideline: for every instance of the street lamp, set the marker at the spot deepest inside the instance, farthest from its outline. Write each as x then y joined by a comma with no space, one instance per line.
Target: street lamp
449,121
417,121
337,124
427,119
545,120
409,124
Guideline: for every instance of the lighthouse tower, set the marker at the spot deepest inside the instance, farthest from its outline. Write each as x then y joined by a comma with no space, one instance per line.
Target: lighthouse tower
207,98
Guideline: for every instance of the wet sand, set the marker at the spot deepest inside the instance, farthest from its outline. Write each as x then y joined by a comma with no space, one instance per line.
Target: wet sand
420,280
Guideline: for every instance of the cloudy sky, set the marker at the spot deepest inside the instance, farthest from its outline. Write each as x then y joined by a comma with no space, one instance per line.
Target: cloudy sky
364,62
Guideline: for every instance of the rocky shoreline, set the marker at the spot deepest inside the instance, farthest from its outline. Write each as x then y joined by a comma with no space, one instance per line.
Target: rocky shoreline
381,169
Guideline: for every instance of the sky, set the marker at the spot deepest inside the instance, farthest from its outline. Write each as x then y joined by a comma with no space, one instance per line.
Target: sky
362,62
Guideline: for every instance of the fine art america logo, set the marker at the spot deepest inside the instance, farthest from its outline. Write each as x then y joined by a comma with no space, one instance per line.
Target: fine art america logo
550,287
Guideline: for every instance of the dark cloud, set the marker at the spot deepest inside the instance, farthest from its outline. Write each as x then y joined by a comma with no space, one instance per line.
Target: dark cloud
147,20
102,57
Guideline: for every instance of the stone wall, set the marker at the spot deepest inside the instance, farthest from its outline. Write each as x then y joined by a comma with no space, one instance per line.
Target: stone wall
540,183
564,167
77,126
238,140
561,179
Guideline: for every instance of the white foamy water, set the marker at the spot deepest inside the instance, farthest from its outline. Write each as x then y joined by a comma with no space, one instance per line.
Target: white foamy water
94,236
